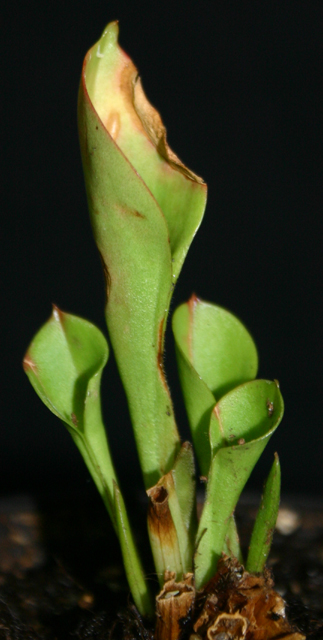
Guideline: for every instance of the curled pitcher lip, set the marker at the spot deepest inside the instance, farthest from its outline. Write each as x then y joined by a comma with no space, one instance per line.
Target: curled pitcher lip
111,87
114,88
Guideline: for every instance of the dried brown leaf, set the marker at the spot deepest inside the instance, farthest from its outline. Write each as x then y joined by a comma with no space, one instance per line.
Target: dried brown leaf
174,605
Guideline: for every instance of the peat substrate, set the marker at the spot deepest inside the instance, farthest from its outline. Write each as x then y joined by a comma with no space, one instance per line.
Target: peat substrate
61,573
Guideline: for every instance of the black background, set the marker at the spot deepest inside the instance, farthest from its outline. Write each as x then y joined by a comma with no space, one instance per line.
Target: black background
239,86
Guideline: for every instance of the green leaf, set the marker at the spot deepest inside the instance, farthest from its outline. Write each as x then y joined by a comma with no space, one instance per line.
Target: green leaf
215,353
231,542
131,560
64,364
181,486
183,475
246,417
145,209
264,526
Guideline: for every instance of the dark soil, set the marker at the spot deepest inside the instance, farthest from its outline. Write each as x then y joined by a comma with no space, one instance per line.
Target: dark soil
61,574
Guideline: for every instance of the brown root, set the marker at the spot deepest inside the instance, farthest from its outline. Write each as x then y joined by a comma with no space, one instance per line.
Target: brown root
234,605
237,605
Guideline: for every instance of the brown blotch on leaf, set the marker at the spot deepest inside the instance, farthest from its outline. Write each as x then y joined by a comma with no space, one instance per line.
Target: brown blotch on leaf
129,211
29,365
74,419
160,353
107,277
174,605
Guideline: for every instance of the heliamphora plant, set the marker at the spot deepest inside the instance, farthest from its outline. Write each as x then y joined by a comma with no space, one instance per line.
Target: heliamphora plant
145,208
